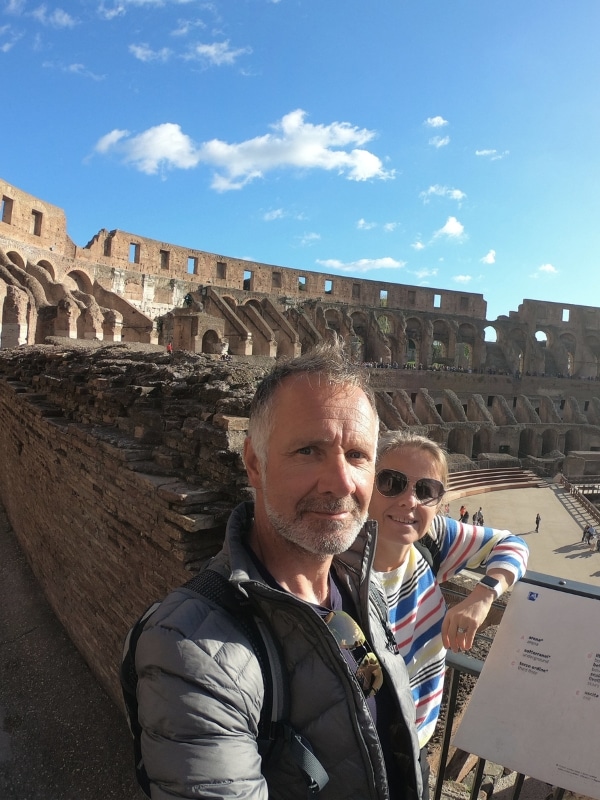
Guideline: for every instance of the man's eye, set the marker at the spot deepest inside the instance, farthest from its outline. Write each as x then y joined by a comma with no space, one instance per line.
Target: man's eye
357,455
305,451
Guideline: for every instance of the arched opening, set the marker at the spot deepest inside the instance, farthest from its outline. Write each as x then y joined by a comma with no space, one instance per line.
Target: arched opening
79,281
211,343
48,267
16,259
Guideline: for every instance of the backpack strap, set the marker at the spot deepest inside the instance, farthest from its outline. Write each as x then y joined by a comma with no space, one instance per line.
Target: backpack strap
430,550
273,727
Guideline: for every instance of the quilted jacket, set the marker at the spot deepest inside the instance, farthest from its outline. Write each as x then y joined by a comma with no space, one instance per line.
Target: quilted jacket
200,690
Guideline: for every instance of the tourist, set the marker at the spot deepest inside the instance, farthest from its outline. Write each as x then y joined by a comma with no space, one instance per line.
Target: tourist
300,551
538,519
412,473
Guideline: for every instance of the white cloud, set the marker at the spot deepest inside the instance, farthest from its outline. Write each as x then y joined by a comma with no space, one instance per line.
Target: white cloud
55,19
309,238
15,7
217,53
362,265
543,270
363,225
74,69
439,141
109,140
436,122
294,143
186,25
277,213
145,53
11,36
493,155
389,227
462,279
111,13
418,245
421,274
452,228
442,191
489,258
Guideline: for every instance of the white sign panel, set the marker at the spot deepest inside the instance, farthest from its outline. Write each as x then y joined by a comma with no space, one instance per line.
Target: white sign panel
536,705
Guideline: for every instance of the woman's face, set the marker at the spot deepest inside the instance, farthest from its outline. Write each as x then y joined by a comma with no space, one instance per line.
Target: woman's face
402,520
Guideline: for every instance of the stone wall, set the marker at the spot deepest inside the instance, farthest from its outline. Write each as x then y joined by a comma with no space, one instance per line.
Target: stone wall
117,474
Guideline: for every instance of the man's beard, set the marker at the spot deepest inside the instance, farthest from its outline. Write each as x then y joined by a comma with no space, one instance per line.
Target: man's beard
321,537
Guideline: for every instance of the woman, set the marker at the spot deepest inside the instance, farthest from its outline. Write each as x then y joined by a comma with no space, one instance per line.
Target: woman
411,476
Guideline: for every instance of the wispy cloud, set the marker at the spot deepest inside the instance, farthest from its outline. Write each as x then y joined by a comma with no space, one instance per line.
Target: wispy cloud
439,141
57,18
292,144
363,225
423,274
216,54
436,122
144,52
184,26
418,245
452,229
493,155
308,239
462,279
74,69
543,270
489,257
362,265
386,227
276,213
10,36
442,191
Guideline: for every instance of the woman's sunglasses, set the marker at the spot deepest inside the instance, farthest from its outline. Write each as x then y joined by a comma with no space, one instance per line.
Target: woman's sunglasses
350,637
391,483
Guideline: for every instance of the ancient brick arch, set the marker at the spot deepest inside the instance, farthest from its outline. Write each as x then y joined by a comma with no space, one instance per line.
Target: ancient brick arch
17,259
591,366
44,264
569,343
360,326
77,279
414,339
333,319
550,440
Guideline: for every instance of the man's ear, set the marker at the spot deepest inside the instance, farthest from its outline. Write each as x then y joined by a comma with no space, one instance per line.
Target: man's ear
252,464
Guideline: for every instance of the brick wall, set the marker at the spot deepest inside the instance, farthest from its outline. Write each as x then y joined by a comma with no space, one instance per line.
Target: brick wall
117,474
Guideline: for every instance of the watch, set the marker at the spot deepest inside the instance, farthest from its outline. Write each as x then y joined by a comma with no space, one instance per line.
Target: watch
493,584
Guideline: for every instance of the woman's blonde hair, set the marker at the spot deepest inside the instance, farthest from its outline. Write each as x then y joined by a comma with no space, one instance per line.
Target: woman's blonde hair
403,440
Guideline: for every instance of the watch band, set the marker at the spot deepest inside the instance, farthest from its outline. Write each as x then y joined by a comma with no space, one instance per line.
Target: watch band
493,584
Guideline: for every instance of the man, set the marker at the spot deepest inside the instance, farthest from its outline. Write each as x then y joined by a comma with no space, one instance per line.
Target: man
302,553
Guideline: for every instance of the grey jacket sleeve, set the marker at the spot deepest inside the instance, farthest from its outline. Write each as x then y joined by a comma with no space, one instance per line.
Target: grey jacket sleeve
200,692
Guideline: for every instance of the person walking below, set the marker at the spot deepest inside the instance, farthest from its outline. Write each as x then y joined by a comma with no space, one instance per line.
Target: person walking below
538,519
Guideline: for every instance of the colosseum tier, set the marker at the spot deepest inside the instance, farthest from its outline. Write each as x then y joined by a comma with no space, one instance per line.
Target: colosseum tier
522,386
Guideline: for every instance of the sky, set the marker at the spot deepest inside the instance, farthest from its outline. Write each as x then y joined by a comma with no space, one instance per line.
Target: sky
442,143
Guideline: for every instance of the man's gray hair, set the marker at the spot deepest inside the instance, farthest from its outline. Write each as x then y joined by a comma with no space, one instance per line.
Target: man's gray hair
328,362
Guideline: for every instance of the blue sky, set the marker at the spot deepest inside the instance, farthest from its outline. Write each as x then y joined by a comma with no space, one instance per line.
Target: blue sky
428,142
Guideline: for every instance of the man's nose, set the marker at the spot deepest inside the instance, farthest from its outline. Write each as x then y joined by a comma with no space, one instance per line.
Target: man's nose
337,477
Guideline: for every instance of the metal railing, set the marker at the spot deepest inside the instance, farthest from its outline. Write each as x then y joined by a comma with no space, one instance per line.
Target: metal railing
591,509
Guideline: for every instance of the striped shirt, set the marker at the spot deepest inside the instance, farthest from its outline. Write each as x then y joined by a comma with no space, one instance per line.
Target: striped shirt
417,606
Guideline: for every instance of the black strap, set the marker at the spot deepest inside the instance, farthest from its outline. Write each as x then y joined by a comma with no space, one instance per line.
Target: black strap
430,550
275,709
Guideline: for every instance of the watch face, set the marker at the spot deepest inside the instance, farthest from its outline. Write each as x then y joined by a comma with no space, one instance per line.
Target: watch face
492,584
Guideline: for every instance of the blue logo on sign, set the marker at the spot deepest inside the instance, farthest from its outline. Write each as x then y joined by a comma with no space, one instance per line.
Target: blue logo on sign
533,596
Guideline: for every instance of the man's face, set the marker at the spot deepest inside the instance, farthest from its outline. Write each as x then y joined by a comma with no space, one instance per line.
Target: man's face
315,487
